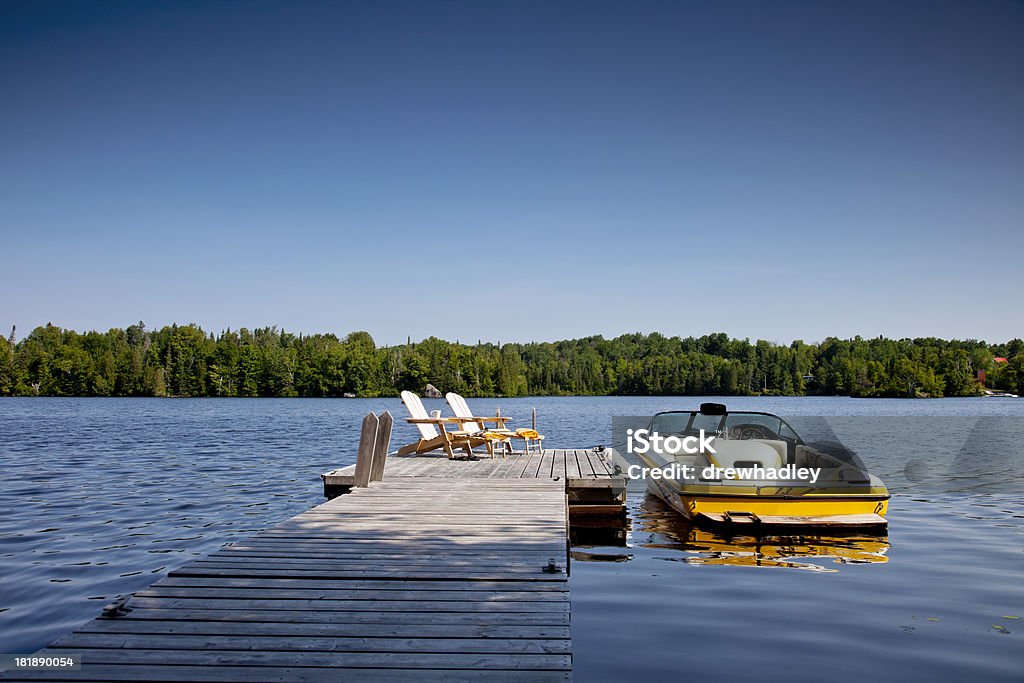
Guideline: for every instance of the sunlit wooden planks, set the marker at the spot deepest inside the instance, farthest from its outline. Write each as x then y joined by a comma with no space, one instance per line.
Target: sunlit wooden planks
591,483
415,579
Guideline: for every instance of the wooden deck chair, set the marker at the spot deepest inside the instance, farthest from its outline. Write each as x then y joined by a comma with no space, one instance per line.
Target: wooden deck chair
430,438
499,433
498,436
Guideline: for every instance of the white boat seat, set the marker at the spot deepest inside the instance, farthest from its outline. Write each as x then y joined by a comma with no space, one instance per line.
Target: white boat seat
780,446
749,452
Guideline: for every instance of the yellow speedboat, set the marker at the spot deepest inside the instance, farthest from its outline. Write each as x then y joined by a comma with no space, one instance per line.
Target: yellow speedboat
752,468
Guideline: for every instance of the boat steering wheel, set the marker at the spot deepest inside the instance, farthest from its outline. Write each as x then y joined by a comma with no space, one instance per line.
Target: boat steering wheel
751,430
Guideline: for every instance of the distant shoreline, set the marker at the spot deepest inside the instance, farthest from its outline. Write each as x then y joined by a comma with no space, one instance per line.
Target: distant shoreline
186,361
520,398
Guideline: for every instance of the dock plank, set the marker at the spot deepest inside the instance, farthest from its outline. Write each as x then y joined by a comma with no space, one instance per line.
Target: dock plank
314,643
269,592
364,585
265,674
326,629
353,660
320,617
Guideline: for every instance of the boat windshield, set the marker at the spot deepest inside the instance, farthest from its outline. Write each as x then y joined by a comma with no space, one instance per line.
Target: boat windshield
822,441
738,425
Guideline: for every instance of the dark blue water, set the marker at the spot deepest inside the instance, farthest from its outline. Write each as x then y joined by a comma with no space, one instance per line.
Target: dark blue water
100,497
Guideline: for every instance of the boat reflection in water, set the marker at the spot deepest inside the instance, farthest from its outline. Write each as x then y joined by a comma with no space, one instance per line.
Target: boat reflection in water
654,526
657,526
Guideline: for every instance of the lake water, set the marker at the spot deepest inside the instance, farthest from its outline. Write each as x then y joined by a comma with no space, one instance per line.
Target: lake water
101,497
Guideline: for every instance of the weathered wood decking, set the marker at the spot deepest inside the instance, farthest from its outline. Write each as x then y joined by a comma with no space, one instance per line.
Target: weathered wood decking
414,578
429,569
589,478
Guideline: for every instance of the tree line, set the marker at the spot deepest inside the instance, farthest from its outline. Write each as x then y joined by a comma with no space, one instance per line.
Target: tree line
184,360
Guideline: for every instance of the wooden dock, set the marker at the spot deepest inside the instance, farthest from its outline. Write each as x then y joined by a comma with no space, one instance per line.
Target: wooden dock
428,569
425,578
591,482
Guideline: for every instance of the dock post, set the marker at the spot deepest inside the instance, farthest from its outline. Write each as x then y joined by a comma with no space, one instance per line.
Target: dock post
367,444
380,446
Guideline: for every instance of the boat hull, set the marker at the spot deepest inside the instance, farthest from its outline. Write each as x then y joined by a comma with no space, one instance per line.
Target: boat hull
805,510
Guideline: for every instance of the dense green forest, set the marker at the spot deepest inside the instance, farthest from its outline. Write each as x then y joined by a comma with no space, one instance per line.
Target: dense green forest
187,361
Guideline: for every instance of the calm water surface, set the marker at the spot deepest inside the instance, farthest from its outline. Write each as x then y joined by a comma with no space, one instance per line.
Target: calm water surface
101,497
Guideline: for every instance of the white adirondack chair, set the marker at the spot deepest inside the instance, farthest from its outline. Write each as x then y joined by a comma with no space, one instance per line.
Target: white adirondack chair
433,433
500,434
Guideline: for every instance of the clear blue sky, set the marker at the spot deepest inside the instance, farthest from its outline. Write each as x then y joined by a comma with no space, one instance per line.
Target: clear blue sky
515,171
